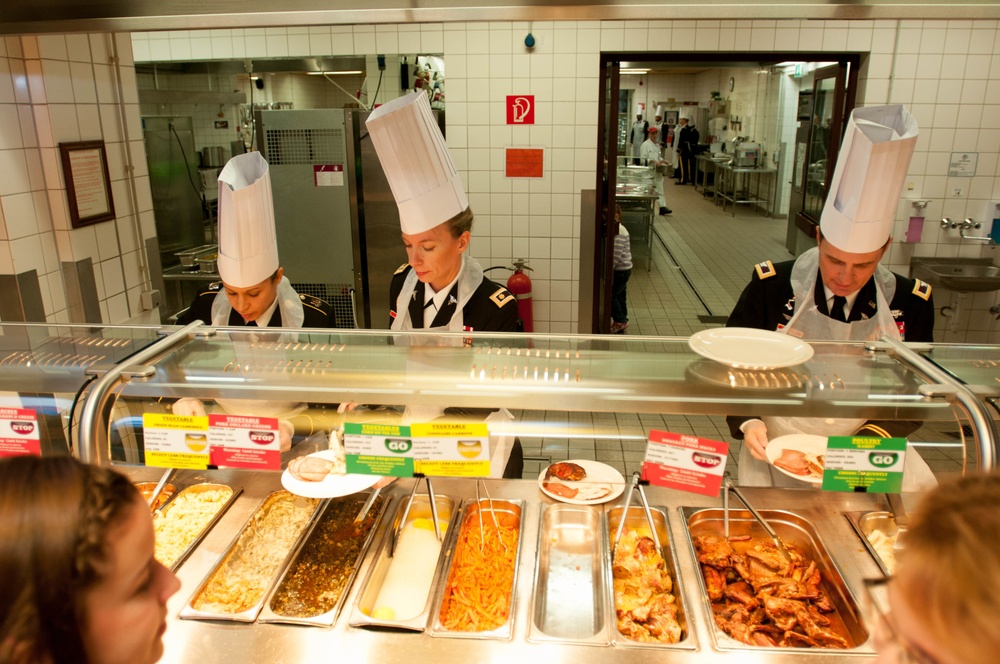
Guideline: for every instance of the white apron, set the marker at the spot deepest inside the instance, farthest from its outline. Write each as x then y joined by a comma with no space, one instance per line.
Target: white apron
469,278
809,323
248,352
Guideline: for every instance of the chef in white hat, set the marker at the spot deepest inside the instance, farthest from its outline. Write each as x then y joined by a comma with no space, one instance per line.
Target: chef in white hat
639,133
254,290
440,287
839,290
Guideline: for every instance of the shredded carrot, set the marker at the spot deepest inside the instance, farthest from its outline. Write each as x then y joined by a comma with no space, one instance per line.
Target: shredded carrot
477,595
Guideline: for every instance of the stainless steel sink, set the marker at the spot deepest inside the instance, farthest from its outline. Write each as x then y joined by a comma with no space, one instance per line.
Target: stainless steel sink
962,275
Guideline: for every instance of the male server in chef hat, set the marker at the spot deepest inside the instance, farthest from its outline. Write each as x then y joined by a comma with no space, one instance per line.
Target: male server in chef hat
253,291
839,290
440,287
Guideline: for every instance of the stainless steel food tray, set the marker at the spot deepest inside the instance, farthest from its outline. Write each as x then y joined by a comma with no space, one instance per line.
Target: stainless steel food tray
793,529
636,517
249,614
570,599
201,487
509,512
864,523
361,614
352,504
189,257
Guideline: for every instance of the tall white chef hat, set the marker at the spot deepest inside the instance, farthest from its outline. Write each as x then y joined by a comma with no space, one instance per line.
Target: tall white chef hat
248,245
868,180
417,163
638,109
659,111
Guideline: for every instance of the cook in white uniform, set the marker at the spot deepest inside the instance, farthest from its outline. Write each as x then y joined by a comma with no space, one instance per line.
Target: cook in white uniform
650,156
441,287
638,134
855,229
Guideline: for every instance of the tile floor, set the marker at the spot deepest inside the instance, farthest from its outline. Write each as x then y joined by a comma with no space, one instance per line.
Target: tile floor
691,284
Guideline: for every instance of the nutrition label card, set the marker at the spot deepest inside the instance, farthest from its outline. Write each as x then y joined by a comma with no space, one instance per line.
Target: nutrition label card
684,462
864,464
19,432
175,441
437,448
241,441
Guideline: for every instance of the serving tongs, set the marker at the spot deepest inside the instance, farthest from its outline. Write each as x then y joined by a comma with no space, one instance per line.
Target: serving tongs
635,484
398,530
159,486
496,522
729,486
902,520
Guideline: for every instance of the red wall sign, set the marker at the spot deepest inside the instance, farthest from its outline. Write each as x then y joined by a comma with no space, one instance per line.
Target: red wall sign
521,109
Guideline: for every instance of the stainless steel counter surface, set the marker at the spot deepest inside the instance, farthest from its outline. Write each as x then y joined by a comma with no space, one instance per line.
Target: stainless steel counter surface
209,642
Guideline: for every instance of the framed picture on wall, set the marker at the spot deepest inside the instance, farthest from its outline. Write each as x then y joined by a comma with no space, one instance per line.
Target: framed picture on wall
670,118
88,185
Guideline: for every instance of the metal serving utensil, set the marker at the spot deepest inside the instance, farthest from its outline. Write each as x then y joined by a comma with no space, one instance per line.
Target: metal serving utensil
496,522
159,486
633,486
367,506
902,520
398,531
761,520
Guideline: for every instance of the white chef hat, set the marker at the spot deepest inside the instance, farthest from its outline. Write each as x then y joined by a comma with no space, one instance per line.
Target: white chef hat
659,111
868,180
416,162
638,109
248,245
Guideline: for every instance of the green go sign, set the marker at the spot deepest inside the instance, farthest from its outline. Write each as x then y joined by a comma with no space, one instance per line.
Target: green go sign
398,445
864,464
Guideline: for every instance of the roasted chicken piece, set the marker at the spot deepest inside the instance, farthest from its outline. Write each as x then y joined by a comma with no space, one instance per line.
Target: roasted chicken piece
564,470
759,598
713,550
645,608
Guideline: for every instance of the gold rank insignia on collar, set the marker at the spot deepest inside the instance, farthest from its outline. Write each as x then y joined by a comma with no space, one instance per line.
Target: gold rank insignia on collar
922,289
765,270
400,268
501,297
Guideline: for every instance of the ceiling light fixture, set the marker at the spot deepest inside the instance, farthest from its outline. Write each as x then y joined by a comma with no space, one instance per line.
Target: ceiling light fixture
636,70
354,72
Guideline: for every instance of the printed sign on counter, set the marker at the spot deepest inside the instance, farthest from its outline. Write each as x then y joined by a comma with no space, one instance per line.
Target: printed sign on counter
19,433
864,464
239,441
175,441
437,449
686,463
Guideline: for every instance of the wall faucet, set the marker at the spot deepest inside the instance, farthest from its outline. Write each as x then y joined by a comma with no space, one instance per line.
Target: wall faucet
968,224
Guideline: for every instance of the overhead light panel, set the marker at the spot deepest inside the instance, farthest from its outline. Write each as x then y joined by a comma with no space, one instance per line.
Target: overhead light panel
353,72
635,70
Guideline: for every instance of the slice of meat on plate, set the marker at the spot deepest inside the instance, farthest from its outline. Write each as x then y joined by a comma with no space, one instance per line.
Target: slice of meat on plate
794,462
566,470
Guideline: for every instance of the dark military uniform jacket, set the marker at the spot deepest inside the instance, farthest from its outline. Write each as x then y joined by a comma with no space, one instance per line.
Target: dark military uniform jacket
768,303
318,313
491,308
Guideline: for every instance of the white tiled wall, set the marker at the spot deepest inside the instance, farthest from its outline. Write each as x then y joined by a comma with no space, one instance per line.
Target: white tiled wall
947,72
59,88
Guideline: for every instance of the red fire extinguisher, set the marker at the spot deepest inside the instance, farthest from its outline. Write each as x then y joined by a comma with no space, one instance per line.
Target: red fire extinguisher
520,286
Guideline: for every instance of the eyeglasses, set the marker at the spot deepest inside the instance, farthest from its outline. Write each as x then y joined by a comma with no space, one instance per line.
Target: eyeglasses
885,633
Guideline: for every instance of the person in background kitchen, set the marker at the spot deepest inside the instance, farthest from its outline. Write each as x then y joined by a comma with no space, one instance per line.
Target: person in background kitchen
440,287
838,290
650,156
687,140
640,131
254,290
944,597
621,271
658,123
80,583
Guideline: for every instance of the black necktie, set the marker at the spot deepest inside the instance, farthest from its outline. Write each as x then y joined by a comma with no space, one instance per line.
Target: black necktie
251,323
837,309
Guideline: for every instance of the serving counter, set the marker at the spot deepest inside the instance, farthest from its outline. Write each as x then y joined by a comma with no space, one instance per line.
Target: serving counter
212,641
607,392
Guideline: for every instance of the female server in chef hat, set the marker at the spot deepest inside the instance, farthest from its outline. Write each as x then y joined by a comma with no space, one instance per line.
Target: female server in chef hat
441,287
254,291
856,222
